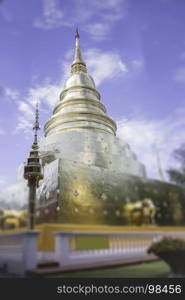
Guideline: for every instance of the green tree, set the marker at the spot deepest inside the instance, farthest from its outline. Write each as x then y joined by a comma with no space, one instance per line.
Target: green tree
177,175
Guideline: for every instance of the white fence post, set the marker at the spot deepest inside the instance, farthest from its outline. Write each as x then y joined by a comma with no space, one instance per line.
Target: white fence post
62,248
30,250
18,252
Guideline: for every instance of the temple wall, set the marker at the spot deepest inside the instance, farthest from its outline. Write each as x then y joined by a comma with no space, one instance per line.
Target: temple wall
94,195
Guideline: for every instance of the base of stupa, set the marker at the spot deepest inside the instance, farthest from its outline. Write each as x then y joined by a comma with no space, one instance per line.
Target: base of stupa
75,193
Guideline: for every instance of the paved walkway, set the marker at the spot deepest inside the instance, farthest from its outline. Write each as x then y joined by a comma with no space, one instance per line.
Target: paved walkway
43,271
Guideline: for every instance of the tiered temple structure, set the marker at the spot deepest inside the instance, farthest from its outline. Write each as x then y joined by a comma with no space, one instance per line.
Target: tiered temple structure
81,154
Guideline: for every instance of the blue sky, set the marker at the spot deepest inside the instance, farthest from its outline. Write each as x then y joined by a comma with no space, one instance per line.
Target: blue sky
134,49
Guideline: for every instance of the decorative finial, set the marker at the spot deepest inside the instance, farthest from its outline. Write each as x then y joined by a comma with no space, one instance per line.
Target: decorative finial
78,65
77,33
36,127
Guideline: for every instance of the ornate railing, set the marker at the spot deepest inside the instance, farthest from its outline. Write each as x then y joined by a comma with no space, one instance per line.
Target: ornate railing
123,246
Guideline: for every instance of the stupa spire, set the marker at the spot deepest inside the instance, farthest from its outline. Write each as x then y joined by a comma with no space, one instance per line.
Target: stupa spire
77,33
36,127
78,65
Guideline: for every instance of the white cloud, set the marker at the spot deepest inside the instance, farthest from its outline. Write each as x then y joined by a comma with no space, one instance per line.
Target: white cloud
3,181
109,10
104,65
145,136
26,109
106,4
52,17
46,94
82,12
24,125
25,118
9,93
98,31
14,196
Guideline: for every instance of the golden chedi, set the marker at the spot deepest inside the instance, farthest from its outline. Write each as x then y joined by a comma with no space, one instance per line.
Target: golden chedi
84,162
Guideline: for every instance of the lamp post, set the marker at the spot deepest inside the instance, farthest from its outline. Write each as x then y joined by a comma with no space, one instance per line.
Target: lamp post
33,173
